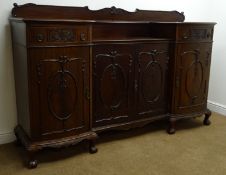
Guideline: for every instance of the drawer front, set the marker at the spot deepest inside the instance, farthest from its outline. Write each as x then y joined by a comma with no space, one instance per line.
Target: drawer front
58,35
195,33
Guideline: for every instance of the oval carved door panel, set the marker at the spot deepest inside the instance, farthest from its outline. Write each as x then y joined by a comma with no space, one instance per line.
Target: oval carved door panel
148,77
152,76
62,89
61,83
113,86
112,67
192,76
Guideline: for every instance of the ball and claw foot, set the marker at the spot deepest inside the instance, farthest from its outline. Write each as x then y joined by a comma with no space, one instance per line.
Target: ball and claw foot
32,161
171,129
206,120
32,164
92,147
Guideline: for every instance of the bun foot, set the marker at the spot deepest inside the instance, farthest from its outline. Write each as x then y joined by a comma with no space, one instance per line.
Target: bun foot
32,164
92,147
206,120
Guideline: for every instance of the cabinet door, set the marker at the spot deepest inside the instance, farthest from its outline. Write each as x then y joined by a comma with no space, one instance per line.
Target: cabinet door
112,83
152,80
60,84
192,77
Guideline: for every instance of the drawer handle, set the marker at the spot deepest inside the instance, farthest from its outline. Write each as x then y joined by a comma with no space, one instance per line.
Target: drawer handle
82,37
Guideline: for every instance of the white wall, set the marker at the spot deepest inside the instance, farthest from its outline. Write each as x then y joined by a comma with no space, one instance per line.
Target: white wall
194,11
217,89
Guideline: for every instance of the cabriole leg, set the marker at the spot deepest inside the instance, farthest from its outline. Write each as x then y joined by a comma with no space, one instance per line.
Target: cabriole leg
18,142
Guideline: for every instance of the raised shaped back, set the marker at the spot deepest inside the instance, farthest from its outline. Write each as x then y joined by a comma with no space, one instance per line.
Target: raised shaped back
33,11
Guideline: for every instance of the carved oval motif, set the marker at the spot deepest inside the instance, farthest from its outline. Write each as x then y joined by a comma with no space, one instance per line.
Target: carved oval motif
194,78
62,95
151,82
112,87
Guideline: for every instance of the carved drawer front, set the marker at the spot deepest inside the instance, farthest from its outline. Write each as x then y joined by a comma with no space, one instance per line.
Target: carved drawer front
54,35
195,32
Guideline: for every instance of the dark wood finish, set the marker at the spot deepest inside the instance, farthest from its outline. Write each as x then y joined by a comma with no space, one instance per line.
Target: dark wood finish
33,147
152,80
60,84
192,76
113,73
79,72
191,72
47,34
195,32
33,11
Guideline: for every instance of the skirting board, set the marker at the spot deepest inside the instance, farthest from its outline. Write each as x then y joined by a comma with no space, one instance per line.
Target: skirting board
216,107
7,137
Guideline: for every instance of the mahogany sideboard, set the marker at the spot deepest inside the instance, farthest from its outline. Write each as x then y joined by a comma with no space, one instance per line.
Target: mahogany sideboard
79,72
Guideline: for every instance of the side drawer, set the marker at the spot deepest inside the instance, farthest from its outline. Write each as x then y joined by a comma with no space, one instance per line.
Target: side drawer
194,32
57,35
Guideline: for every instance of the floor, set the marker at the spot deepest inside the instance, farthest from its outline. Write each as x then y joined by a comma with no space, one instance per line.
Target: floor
194,150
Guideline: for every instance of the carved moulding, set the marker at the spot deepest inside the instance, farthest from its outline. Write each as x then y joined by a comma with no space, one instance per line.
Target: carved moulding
55,143
42,11
61,35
